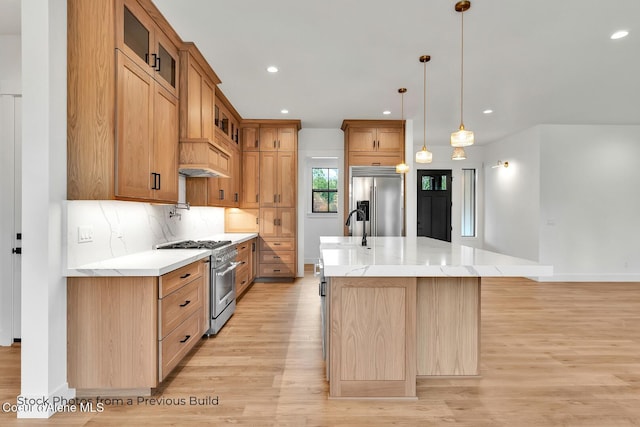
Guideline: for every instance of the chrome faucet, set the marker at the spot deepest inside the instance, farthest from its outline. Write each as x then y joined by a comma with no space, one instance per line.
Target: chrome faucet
362,215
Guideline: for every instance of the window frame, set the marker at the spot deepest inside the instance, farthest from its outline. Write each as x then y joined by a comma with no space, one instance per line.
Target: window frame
326,190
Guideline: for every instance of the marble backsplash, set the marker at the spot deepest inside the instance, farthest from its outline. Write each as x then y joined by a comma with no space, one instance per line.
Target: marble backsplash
120,228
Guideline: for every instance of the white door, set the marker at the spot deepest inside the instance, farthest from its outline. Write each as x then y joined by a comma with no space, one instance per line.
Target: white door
10,193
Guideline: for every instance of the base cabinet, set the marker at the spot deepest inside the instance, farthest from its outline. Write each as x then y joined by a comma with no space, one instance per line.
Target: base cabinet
245,272
129,333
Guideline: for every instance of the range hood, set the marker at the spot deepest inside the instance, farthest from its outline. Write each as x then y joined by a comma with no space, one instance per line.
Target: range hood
202,159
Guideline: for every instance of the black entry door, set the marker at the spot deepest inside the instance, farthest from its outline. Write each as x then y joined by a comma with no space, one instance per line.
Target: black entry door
434,204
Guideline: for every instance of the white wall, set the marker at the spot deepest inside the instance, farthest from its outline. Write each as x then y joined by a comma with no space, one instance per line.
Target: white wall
590,227
317,143
512,195
10,63
122,228
43,352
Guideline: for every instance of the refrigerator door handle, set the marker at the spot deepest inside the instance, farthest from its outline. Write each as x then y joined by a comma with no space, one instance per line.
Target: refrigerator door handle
375,210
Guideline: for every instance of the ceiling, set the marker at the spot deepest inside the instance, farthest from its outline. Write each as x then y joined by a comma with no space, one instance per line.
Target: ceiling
532,62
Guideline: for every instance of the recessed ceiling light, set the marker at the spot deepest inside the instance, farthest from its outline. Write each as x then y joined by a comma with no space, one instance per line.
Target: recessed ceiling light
272,69
488,111
386,112
619,34
284,111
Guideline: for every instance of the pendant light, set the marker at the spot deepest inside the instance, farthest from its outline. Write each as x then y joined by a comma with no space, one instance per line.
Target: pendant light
424,155
462,137
458,154
402,167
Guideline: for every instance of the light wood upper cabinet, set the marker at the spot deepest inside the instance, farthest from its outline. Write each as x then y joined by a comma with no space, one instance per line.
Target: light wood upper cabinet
276,139
373,142
250,140
147,135
250,179
165,147
278,166
122,103
144,42
197,95
375,139
287,178
278,179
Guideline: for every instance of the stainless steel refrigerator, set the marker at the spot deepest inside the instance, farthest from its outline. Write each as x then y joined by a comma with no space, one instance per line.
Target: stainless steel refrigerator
379,192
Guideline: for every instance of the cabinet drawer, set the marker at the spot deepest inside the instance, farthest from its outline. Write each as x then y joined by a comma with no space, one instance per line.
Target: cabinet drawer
370,159
175,345
179,305
178,278
277,270
242,279
244,249
277,245
277,257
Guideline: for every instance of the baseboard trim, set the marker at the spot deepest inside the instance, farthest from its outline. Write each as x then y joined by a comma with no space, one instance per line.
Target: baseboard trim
44,406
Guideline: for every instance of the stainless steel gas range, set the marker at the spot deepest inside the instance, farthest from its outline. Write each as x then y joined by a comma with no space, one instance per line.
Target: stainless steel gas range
222,278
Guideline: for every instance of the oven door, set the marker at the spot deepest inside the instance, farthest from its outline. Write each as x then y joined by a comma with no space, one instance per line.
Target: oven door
223,289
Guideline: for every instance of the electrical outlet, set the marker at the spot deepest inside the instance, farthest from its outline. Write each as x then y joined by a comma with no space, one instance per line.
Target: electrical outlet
85,234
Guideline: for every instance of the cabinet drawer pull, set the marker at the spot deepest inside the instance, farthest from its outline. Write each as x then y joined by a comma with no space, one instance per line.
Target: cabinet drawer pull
185,276
277,244
186,303
186,338
243,282
276,271
276,257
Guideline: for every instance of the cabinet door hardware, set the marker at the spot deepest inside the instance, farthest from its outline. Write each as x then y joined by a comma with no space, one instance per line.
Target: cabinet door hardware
221,195
186,338
17,251
185,276
155,61
236,197
186,303
156,65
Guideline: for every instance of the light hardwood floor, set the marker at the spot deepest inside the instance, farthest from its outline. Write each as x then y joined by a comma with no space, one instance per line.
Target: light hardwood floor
553,354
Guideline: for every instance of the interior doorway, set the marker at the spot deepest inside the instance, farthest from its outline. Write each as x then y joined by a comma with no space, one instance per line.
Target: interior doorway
434,204
10,223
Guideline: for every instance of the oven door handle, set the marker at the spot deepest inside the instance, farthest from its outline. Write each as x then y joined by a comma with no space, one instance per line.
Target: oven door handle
232,267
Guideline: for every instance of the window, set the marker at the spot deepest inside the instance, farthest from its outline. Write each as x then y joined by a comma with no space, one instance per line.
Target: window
434,183
324,188
468,203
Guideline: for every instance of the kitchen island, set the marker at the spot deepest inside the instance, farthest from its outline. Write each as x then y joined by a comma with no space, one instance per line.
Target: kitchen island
405,307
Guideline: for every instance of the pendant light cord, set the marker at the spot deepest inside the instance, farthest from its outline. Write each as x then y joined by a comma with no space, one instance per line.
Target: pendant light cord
424,121
461,68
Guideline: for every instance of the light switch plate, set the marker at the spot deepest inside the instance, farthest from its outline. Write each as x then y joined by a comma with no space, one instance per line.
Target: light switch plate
85,233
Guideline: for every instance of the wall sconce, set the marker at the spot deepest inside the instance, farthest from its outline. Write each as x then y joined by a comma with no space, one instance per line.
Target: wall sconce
500,164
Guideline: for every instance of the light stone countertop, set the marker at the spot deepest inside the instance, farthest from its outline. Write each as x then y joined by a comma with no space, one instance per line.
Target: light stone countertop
152,262
419,257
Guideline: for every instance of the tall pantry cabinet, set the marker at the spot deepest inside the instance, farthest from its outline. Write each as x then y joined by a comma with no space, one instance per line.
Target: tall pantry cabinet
272,146
122,104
